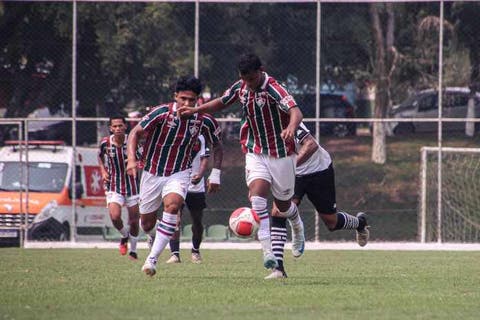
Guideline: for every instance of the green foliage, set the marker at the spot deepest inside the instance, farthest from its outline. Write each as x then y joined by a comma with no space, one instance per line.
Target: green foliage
100,284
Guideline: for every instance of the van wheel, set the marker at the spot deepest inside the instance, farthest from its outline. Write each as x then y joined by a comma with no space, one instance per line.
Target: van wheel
404,128
65,233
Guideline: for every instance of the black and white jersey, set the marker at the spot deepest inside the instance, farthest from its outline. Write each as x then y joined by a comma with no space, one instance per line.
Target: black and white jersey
319,161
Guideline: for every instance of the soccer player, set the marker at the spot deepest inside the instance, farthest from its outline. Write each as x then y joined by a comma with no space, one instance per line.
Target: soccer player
270,119
195,202
167,157
121,189
316,178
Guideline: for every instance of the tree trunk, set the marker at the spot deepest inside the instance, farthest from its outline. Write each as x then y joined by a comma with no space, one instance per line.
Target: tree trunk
384,64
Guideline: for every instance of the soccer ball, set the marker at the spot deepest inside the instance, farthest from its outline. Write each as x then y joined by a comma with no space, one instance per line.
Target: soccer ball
244,222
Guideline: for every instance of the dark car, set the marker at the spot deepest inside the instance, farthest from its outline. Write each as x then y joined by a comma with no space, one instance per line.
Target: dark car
332,105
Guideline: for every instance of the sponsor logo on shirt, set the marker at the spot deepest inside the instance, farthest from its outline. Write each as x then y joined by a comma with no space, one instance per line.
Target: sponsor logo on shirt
287,100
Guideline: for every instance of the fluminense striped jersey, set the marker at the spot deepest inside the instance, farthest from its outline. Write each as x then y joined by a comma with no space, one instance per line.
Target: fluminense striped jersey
171,139
115,161
265,115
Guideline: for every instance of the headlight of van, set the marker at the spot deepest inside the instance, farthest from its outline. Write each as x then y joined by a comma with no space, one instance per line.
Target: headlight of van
46,212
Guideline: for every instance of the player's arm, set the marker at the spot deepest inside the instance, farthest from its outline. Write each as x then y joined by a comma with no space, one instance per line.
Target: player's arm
213,181
103,170
201,171
132,146
101,163
296,117
308,146
211,106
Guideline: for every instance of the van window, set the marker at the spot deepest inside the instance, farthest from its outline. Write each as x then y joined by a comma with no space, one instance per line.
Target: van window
457,99
43,176
429,102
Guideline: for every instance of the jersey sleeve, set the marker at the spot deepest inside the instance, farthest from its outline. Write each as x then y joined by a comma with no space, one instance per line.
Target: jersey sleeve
154,117
102,148
231,94
204,150
302,132
211,130
283,98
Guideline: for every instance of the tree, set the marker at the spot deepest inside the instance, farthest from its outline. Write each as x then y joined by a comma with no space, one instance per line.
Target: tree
383,27
466,21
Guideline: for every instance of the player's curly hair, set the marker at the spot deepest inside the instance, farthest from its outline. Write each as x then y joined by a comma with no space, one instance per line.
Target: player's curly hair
249,62
189,83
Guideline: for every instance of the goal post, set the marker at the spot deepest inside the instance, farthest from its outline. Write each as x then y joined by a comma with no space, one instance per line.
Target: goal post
453,214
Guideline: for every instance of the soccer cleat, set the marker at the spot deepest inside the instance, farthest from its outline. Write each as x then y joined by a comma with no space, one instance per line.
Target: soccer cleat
173,259
269,260
196,257
150,267
150,240
123,247
363,234
298,239
276,274
133,256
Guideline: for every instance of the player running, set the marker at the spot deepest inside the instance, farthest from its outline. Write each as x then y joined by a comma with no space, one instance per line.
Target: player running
121,189
315,178
270,119
167,158
195,202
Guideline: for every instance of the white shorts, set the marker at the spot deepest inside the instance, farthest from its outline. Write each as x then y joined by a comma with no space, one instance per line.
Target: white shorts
121,199
279,172
154,188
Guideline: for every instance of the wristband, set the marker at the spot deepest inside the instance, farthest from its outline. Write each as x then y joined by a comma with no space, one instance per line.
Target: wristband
214,176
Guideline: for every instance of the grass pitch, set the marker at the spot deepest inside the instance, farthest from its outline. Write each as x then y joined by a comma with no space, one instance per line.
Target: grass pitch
100,284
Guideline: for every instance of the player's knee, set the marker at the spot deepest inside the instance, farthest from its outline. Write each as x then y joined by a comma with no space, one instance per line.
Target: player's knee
173,207
330,221
148,222
259,204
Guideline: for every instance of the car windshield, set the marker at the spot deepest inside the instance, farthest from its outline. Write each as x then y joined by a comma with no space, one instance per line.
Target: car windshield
43,176
408,102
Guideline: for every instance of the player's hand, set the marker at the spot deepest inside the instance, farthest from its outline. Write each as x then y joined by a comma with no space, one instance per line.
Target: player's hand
185,112
212,187
275,211
288,134
106,177
196,179
132,168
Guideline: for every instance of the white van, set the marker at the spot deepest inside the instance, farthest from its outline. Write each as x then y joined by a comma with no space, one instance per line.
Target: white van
47,202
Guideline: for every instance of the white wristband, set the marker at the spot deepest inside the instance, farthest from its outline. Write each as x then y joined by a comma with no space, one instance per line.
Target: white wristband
214,176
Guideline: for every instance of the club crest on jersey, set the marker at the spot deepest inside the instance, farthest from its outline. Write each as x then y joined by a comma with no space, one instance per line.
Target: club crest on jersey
260,99
193,129
171,121
243,97
112,153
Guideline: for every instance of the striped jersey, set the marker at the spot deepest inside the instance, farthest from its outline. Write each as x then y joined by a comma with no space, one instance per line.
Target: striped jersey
115,161
265,116
170,139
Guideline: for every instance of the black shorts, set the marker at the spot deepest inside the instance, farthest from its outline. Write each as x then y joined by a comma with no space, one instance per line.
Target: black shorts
195,201
319,188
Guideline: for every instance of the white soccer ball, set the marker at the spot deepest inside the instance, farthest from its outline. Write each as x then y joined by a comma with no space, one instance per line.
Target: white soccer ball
244,222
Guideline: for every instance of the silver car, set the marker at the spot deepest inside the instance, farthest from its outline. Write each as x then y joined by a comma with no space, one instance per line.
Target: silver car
425,105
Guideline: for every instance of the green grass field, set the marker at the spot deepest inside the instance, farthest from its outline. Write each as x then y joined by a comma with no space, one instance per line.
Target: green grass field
100,284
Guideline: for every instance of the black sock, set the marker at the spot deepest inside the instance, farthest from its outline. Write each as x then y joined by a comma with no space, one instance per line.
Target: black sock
346,221
175,247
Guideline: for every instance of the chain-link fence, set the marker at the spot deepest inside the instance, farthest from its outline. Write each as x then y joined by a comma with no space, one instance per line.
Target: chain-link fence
365,75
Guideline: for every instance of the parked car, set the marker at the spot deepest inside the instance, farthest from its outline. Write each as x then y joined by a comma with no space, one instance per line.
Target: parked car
332,105
425,105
